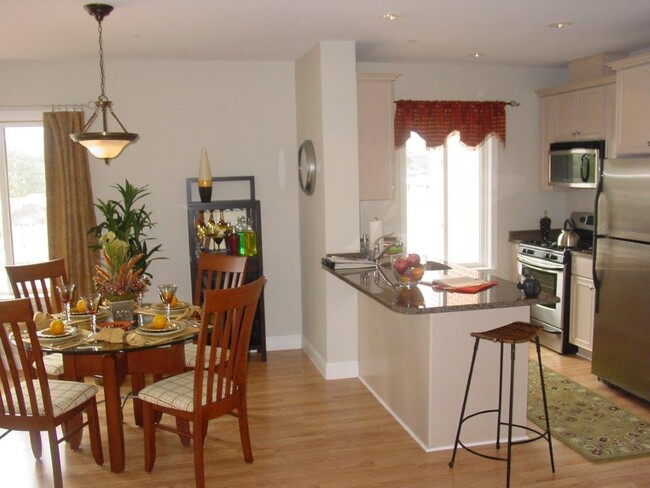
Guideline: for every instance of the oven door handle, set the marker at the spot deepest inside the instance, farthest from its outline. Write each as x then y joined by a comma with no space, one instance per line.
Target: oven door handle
540,265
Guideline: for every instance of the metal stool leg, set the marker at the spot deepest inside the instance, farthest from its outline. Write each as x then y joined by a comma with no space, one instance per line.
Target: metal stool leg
500,393
548,424
462,410
510,402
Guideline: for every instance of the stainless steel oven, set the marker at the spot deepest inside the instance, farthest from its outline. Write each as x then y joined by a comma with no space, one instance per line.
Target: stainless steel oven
553,276
550,264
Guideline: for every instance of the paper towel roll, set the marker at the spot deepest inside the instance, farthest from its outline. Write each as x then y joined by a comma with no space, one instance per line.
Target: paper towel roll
375,231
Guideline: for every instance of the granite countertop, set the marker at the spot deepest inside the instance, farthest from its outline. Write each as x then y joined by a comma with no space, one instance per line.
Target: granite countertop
380,285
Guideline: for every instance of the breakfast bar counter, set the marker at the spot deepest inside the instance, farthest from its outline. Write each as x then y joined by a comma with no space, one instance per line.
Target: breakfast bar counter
415,350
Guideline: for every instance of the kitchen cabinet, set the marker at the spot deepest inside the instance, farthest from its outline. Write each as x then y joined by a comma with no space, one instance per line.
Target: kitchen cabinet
579,115
376,136
582,300
575,112
232,208
632,105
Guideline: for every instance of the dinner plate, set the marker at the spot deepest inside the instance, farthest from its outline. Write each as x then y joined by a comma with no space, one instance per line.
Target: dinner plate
172,329
102,309
67,332
178,306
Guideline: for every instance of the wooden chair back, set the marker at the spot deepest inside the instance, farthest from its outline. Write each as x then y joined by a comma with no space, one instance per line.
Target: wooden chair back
37,281
218,271
230,312
18,399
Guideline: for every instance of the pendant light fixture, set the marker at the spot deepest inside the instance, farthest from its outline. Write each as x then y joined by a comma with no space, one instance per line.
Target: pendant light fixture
104,145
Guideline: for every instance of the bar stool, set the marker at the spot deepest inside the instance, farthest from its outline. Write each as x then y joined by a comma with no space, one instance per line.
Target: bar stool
514,333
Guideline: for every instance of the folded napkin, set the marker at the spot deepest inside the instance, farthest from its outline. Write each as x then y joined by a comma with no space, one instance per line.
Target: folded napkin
191,313
135,339
112,335
462,284
42,320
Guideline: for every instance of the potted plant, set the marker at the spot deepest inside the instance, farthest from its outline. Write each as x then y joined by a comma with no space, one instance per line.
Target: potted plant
125,255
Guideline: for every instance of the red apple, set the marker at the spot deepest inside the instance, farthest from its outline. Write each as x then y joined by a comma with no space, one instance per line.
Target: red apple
413,259
400,265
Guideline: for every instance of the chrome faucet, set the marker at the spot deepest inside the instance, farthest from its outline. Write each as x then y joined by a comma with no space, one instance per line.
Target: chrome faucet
394,248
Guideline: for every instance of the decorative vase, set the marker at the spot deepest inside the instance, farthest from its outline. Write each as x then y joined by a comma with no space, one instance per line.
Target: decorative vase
205,177
121,308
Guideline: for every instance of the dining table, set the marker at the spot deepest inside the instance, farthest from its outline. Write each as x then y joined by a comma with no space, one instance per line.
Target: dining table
141,352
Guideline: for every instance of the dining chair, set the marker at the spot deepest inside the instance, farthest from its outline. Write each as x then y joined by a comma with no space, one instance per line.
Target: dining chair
37,281
203,394
214,272
31,402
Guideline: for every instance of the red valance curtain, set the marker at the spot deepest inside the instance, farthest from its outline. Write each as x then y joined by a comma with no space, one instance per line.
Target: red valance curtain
435,120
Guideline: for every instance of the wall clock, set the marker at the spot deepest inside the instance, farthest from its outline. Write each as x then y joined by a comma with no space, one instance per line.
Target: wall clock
307,167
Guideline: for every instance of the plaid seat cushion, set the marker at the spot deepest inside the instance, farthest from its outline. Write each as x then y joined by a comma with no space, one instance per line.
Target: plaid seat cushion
175,392
190,356
53,364
65,395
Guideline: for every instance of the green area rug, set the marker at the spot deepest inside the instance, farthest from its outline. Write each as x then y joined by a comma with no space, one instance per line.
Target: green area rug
592,426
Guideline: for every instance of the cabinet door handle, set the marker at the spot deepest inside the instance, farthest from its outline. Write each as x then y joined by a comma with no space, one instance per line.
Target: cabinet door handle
591,287
648,143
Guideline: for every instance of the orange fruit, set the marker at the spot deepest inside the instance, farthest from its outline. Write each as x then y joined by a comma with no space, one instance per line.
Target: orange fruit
159,322
57,327
81,306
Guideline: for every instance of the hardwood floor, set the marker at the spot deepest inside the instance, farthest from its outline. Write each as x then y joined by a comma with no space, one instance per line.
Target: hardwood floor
308,432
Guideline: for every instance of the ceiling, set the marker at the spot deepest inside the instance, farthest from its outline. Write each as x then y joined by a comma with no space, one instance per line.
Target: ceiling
507,31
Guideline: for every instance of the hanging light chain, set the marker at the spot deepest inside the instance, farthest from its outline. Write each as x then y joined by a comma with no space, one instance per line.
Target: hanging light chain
102,82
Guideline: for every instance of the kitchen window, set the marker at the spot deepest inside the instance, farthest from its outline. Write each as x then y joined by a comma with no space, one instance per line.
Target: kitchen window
448,200
23,211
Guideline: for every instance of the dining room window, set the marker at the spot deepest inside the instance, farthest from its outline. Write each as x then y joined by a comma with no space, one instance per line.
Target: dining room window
23,210
448,200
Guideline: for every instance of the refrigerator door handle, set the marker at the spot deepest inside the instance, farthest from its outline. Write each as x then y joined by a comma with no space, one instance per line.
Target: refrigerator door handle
594,273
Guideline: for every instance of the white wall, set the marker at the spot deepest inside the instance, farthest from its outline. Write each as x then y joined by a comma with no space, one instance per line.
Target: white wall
243,112
519,202
329,218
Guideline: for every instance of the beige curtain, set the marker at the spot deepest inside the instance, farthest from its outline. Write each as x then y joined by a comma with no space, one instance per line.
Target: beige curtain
70,210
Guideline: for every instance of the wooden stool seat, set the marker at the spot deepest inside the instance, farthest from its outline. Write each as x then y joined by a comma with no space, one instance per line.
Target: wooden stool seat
514,333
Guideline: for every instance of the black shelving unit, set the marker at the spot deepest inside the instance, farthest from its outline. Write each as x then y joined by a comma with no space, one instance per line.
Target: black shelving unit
232,208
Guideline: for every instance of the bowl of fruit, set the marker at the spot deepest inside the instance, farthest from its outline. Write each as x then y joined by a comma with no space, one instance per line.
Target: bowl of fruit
408,268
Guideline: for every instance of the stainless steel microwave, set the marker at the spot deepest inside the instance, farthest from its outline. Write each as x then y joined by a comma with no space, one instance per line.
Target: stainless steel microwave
575,164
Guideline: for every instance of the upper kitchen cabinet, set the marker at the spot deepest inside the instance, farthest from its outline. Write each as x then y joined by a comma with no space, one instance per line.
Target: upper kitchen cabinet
582,111
632,105
579,115
376,139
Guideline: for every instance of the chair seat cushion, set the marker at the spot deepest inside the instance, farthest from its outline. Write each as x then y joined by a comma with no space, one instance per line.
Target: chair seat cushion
175,392
53,364
65,395
190,356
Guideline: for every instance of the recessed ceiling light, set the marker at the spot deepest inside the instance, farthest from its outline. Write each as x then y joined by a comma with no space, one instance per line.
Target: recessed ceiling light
560,25
476,55
391,16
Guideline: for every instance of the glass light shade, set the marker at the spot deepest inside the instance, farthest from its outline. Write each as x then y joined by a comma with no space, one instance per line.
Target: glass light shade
205,175
105,145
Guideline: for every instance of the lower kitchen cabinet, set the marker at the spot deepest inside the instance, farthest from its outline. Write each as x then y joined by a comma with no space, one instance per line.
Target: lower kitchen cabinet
581,323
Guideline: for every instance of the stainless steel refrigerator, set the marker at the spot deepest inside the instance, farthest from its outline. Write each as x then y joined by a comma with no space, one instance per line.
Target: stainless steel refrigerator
621,340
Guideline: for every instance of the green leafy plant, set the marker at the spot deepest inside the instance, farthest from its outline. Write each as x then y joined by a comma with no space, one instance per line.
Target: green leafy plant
129,223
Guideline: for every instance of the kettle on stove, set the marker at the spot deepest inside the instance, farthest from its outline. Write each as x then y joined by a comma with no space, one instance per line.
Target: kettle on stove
568,237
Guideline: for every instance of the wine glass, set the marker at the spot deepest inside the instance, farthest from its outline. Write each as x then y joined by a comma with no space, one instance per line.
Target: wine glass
167,292
92,302
66,292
